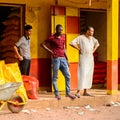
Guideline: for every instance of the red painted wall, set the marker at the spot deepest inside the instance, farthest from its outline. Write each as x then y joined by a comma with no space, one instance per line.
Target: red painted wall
41,69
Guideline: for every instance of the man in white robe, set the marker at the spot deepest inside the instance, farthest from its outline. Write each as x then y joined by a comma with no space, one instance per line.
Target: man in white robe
87,45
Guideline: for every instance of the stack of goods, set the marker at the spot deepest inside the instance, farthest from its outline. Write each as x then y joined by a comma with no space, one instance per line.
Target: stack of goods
10,36
100,71
95,57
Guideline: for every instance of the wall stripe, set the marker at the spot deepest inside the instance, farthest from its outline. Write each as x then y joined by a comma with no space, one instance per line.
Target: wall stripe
41,69
112,75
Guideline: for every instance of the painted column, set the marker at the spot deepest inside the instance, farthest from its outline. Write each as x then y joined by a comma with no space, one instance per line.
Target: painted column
72,31
112,46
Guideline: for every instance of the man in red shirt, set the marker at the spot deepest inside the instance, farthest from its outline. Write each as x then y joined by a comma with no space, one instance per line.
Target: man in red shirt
59,60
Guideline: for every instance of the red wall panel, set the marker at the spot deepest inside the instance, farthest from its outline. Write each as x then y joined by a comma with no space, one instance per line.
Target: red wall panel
41,69
73,25
74,75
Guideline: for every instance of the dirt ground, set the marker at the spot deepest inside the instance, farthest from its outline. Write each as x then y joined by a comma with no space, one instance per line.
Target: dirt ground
87,112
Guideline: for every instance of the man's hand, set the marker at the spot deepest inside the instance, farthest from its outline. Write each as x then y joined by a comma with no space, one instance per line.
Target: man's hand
20,58
68,63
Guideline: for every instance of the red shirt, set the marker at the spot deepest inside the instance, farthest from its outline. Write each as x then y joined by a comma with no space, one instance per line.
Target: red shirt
57,45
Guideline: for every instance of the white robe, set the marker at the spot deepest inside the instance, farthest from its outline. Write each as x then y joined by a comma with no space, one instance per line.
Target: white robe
86,60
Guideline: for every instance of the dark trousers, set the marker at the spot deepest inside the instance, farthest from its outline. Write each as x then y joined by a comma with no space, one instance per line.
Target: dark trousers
25,66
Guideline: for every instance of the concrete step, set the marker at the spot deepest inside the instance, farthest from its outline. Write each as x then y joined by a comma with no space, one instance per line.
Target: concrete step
47,100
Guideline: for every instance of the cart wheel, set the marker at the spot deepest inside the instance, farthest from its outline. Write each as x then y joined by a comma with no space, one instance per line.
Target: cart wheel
15,108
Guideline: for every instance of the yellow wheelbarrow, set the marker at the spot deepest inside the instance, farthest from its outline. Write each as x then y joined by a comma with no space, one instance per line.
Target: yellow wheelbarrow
14,102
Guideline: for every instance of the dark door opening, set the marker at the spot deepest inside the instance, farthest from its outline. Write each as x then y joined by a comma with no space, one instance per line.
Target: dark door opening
98,20
11,22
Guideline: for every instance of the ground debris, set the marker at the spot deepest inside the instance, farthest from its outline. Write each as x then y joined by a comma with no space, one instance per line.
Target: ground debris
113,104
48,109
71,107
80,113
90,108
29,111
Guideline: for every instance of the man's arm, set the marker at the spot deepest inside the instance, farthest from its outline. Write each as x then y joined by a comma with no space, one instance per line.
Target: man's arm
96,45
17,53
95,48
44,45
65,53
76,47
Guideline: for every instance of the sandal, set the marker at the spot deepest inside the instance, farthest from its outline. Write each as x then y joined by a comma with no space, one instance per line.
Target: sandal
70,96
77,95
87,94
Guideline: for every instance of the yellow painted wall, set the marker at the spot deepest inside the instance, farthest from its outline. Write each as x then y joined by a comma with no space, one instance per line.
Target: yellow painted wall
119,50
38,15
112,31
72,52
95,4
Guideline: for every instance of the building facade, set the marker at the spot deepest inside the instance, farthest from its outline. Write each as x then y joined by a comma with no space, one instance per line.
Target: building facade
74,15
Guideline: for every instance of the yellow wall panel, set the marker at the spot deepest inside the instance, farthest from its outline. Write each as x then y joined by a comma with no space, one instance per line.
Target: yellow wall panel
60,20
112,30
52,24
60,82
101,4
33,20
41,28
119,36
71,11
72,52
115,13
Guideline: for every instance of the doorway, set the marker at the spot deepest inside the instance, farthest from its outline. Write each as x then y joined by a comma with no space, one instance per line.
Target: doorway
12,20
98,20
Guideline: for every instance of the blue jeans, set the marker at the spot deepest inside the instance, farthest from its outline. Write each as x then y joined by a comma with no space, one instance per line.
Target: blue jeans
61,64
